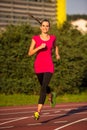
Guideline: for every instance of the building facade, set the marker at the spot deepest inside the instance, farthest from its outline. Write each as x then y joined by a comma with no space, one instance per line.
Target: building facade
17,11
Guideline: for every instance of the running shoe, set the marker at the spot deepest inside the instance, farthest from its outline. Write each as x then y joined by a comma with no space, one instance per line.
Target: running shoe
53,99
36,116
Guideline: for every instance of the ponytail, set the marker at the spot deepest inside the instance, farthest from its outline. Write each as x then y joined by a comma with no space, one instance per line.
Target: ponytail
38,20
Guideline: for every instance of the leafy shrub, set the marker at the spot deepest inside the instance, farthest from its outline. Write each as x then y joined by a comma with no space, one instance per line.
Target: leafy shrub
17,75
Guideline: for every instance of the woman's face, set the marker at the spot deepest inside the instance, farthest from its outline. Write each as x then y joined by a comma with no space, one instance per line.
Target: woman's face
45,27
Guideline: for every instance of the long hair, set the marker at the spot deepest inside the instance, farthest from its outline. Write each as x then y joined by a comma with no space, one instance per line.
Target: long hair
38,20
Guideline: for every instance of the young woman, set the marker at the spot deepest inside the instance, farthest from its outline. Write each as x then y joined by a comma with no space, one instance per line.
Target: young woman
42,45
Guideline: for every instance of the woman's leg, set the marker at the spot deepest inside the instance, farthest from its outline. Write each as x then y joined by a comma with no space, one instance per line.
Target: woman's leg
40,78
44,79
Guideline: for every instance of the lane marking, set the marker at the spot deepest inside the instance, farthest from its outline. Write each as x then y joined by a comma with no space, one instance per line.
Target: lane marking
57,111
52,115
6,127
25,112
22,108
60,121
46,113
18,119
11,118
84,119
8,118
34,124
42,123
8,113
54,110
13,113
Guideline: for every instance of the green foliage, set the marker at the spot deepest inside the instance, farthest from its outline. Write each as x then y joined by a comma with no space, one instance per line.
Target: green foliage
71,69
16,67
17,74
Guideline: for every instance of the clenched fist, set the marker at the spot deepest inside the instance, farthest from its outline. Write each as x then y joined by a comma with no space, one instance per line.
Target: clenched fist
43,45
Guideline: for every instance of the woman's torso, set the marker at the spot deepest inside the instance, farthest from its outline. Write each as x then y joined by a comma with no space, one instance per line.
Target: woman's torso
43,61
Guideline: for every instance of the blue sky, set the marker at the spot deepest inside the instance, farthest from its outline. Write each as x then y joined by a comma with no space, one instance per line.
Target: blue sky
76,6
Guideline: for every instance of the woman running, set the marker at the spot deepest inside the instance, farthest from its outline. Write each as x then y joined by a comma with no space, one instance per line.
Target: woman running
42,45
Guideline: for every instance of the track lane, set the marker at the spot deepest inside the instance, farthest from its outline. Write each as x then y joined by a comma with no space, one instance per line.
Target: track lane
15,118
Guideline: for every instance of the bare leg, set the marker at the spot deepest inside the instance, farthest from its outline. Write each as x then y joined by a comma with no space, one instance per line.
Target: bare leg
49,96
39,107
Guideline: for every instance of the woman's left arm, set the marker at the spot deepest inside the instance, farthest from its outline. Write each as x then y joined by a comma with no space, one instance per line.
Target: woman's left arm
57,52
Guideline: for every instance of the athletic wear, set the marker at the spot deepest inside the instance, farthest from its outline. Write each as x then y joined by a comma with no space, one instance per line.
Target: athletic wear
43,65
44,79
36,116
43,61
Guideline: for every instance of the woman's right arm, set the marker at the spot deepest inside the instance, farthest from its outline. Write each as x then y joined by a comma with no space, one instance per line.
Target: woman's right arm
33,50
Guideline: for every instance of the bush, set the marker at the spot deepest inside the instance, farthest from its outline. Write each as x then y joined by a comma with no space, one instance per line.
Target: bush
17,75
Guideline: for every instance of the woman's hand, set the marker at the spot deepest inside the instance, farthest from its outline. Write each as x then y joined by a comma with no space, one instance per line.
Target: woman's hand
57,53
57,57
43,45
33,50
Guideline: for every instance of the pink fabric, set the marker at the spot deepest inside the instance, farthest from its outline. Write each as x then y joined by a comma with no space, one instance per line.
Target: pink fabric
43,61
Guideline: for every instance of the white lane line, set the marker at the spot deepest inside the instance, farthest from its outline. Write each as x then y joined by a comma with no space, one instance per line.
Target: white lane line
46,113
63,114
57,111
42,123
60,121
18,119
22,108
6,127
84,119
34,124
54,110
52,115
13,113
8,113
22,118
17,108
4,119
8,119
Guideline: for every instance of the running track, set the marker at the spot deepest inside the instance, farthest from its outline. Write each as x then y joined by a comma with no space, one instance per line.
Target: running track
69,116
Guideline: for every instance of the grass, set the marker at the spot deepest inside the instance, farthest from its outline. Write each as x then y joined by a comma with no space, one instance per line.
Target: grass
21,99
17,99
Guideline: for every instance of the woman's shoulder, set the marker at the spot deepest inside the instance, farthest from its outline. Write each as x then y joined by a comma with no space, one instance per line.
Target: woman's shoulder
53,37
35,37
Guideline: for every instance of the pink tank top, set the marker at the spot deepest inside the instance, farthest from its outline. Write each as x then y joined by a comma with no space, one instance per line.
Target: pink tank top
43,61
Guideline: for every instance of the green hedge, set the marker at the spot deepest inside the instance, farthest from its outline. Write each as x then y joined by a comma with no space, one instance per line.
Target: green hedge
17,75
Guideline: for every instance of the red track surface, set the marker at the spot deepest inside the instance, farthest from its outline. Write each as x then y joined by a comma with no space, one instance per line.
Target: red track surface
71,116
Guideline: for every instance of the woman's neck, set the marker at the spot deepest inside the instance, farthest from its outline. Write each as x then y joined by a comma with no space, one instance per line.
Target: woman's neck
44,36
